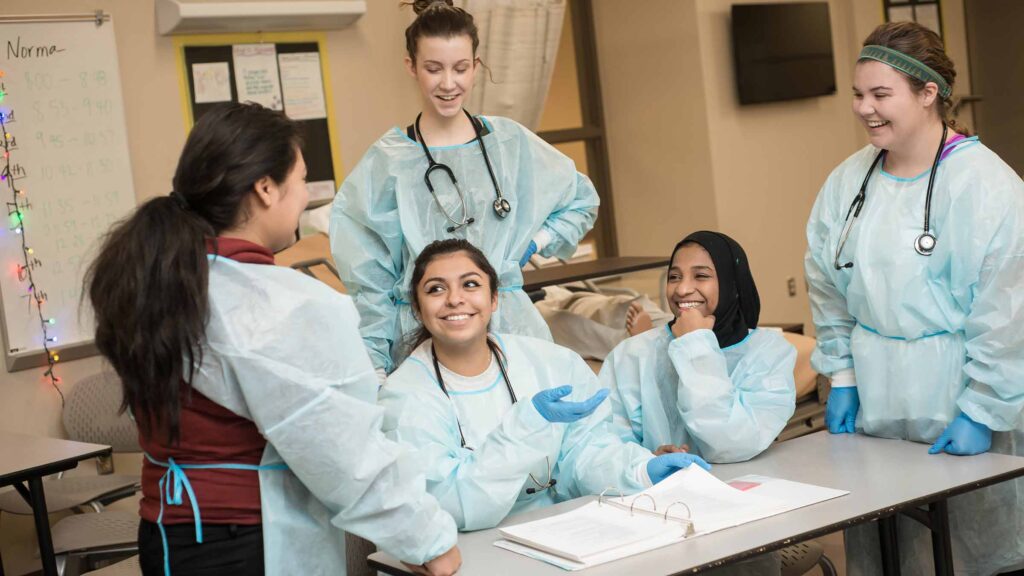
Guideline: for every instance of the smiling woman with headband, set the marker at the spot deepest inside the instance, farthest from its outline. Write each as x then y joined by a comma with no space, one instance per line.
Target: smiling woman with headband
451,174
915,267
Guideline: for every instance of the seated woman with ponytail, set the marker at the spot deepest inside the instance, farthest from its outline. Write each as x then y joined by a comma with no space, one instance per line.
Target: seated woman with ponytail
254,396
503,423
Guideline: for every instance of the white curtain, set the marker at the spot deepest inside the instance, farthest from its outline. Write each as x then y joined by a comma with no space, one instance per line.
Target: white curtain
519,43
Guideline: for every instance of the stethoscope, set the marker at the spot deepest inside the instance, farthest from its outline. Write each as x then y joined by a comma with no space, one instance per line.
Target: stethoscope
924,244
512,395
501,206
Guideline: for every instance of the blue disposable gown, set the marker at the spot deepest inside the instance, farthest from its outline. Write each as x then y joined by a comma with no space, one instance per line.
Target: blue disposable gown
727,404
480,487
314,399
929,337
383,217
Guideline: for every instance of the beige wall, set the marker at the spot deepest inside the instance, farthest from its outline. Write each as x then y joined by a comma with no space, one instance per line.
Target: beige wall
680,143
769,160
657,125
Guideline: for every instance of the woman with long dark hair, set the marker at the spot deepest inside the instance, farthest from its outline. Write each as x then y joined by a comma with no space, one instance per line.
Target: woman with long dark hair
249,402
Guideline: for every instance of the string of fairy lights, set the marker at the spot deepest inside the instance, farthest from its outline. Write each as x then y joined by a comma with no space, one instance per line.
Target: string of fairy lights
17,207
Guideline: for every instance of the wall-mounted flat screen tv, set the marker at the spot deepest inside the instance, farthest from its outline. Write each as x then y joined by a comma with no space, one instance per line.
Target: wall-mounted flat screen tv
782,51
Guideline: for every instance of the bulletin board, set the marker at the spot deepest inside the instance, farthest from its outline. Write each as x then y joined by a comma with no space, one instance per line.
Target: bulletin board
65,177
282,71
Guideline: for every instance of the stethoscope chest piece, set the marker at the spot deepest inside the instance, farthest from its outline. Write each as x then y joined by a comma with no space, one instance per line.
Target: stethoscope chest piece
925,244
502,207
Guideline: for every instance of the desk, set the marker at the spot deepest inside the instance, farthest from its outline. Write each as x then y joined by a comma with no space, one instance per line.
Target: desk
861,464
30,458
552,275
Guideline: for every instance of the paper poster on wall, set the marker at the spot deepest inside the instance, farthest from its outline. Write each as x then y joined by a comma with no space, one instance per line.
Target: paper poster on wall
256,78
286,65
302,86
212,82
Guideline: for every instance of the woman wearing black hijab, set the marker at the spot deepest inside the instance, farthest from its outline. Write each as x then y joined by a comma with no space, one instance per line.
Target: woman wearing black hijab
710,380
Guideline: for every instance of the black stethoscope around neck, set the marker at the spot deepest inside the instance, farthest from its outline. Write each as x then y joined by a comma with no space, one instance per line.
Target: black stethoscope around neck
440,381
538,485
924,244
501,206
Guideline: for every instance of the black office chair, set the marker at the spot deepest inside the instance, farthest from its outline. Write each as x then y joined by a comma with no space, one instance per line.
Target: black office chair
129,567
801,558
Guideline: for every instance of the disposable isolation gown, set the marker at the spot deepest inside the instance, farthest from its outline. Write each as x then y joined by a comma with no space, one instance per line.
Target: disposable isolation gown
383,217
480,487
727,404
282,350
929,336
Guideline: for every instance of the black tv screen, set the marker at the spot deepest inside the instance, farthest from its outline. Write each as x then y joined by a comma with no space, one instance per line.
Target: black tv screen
782,51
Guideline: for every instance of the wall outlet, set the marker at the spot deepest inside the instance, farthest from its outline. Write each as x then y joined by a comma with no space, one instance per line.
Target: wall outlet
791,286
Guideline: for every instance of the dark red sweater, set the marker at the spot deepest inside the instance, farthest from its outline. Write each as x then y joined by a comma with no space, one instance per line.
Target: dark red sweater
210,434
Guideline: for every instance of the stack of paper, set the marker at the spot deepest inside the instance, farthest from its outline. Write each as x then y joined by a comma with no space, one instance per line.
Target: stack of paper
615,528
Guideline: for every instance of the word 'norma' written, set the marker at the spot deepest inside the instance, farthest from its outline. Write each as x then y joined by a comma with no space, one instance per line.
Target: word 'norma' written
16,50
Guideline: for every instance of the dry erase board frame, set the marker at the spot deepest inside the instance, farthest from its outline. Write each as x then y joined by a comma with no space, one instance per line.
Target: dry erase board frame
320,147
66,111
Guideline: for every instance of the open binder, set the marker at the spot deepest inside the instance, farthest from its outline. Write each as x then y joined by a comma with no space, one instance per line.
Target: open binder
688,504
634,507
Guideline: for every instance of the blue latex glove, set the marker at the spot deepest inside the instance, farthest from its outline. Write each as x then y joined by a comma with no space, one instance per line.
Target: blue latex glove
661,467
963,437
549,404
530,251
841,410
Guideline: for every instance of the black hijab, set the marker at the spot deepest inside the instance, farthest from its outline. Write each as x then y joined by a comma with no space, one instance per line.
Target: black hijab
738,303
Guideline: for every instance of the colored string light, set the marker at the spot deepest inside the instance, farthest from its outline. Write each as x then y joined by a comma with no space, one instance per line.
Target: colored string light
17,216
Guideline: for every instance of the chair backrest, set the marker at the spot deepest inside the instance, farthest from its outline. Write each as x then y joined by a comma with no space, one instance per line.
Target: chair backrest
91,414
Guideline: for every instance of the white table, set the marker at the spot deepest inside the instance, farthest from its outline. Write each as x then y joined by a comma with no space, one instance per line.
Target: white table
30,458
884,477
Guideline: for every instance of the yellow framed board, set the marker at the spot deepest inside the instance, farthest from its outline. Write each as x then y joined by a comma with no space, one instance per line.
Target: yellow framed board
286,71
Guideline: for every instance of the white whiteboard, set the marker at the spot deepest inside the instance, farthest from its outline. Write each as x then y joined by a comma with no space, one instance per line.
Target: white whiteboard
64,111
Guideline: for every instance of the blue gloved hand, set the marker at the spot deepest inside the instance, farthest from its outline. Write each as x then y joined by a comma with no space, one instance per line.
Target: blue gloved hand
661,467
963,437
530,251
841,410
549,404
